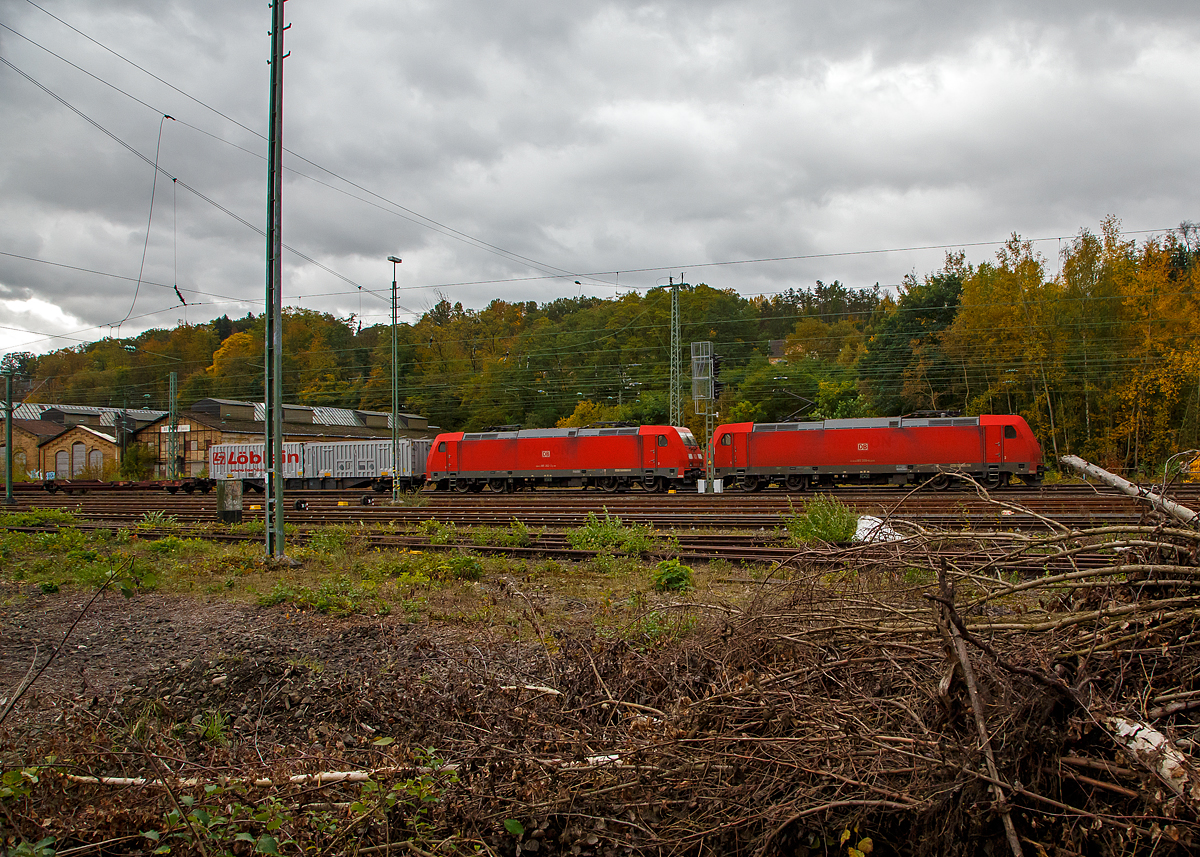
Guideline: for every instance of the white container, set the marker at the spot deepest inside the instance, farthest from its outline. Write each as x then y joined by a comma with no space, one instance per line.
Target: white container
364,459
245,461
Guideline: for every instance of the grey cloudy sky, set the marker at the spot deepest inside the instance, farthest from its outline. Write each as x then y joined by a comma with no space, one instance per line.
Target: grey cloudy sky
507,149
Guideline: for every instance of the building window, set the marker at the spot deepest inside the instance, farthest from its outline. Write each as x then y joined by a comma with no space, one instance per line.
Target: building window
62,465
78,458
96,461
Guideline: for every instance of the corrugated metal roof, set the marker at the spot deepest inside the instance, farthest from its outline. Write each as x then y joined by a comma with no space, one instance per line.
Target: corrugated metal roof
29,411
335,417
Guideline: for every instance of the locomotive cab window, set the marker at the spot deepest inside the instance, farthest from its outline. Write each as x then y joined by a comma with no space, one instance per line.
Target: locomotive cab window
442,446
662,440
1010,432
726,440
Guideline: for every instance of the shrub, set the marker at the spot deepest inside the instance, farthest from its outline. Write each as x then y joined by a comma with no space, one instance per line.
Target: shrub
672,576
825,519
609,534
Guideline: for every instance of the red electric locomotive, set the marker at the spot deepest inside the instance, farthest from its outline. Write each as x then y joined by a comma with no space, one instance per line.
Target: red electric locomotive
892,450
612,457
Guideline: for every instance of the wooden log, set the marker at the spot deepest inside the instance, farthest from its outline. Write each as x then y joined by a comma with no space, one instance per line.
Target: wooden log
1181,513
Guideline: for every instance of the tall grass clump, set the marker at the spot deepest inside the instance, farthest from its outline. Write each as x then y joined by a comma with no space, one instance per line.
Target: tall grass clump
824,519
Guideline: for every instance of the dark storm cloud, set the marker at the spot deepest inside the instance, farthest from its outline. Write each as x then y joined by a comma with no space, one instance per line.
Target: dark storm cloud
597,136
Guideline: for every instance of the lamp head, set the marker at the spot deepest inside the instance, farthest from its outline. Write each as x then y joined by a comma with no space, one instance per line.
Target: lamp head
395,259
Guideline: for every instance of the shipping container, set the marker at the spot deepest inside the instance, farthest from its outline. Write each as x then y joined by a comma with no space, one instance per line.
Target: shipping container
245,461
363,463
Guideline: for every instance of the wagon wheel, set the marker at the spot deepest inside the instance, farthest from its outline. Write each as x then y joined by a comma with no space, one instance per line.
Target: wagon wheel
610,484
940,482
796,482
498,486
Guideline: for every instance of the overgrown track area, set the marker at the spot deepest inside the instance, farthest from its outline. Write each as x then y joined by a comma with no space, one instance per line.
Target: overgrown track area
1074,505
427,679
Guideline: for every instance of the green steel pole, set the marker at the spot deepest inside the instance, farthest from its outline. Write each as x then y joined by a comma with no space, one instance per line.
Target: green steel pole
8,453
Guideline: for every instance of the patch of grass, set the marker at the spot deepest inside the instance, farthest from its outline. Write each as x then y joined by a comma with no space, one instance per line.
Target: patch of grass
335,538
214,727
824,519
414,499
656,628
174,545
39,518
460,567
157,520
338,595
610,534
440,533
672,576
918,576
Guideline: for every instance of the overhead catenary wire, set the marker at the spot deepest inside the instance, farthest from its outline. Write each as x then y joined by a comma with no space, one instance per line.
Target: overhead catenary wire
558,273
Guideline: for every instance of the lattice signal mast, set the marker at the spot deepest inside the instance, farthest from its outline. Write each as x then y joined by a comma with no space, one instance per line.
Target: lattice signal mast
676,407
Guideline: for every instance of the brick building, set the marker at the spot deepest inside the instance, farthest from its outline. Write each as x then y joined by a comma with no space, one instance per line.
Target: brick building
27,436
80,452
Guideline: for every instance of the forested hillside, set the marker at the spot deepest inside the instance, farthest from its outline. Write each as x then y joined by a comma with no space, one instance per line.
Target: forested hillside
1097,350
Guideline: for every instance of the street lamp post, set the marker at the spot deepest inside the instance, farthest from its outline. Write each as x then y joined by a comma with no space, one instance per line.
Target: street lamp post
395,260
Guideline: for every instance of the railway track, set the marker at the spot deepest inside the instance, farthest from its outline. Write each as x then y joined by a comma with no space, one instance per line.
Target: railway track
752,547
1076,506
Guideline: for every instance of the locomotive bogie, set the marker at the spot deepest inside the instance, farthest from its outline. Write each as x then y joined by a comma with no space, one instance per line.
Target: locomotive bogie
894,451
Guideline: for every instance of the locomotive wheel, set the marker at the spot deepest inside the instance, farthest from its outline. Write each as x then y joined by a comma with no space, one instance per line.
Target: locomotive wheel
610,484
655,484
498,486
996,480
796,482
462,486
752,483
940,482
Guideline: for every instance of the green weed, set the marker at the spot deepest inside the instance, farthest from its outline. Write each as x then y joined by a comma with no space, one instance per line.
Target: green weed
610,534
157,519
672,576
824,519
440,533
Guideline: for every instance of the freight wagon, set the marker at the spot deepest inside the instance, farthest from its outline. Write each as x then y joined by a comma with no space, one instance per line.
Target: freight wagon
342,464
365,463
614,458
892,450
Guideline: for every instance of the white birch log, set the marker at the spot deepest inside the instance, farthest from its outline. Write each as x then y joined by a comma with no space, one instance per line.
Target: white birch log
1182,513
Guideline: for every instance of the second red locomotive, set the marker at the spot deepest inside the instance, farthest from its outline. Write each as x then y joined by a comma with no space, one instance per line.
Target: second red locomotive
614,458
893,450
